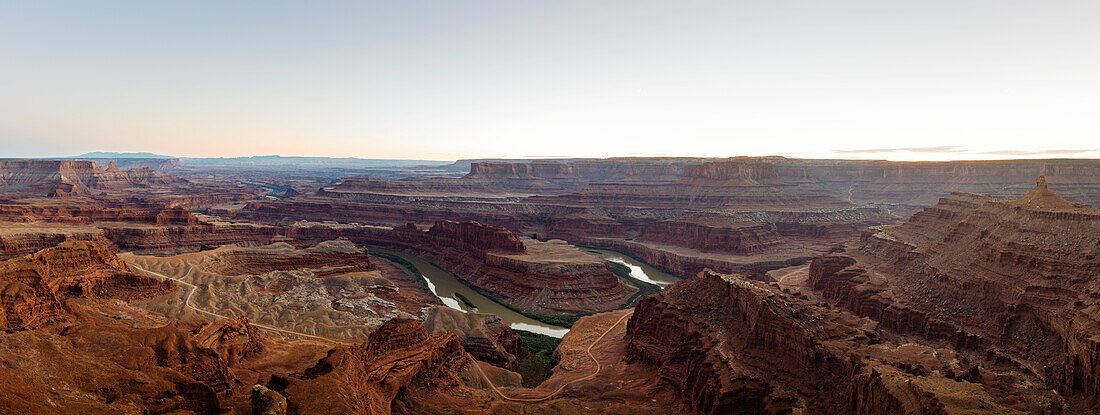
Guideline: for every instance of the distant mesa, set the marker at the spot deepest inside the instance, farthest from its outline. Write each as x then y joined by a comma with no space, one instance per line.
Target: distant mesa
731,173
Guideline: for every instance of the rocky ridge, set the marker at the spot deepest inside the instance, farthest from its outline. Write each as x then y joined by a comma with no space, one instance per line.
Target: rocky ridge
1012,280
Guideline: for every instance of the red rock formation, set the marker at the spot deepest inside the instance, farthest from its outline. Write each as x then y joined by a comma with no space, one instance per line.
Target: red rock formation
478,237
532,170
86,213
233,339
176,216
30,240
176,349
733,172
484,336
1042,197
33,286
737,184
400,358
718,236
1014,279
67,177
922,183
726,345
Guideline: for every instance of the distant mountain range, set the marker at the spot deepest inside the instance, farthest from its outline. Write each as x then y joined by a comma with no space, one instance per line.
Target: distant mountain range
276,162
117,155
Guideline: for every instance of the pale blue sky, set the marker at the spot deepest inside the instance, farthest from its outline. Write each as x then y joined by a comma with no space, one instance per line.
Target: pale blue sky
452,79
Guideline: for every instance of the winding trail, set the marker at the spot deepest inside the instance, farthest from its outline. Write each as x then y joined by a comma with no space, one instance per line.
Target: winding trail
187,304
562,387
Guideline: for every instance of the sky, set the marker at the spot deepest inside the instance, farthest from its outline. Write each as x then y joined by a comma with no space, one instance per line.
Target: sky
442,80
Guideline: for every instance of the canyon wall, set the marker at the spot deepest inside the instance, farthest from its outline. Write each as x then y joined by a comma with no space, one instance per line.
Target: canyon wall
34,286
63,177
722,344
922,183
1015,279
399,358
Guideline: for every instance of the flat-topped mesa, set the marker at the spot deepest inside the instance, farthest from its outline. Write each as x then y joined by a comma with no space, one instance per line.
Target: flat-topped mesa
1042,197
731,173
533,170
73,177
478,236
177,216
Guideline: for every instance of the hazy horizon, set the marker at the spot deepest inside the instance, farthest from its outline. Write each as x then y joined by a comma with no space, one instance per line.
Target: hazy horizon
445,81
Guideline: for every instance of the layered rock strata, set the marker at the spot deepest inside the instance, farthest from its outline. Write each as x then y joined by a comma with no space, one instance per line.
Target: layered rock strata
1013,279
726,345
71,177
545,277
484,336
33,287
400,358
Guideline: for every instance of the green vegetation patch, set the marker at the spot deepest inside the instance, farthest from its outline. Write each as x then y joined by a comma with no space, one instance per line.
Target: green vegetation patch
539,363
631,256
465,300
402,262
536,341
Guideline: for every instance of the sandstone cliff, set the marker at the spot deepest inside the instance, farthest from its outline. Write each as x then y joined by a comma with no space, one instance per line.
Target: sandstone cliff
477,237
1015,280
65,177
726,345
484,336
34,286
400,358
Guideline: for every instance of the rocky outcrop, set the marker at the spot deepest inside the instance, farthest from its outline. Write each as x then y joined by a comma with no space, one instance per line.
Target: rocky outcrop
477,237
726,345
265,401
484,336
30,240
33,287
233,339
400,358
1013,279
176,349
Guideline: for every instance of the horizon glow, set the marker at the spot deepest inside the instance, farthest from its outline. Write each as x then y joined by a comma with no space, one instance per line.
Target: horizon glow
434,80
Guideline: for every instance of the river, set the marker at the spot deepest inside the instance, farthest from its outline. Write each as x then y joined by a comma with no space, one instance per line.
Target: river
638,269
445,285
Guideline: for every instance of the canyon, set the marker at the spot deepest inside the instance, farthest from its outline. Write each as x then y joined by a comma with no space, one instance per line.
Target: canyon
788,286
